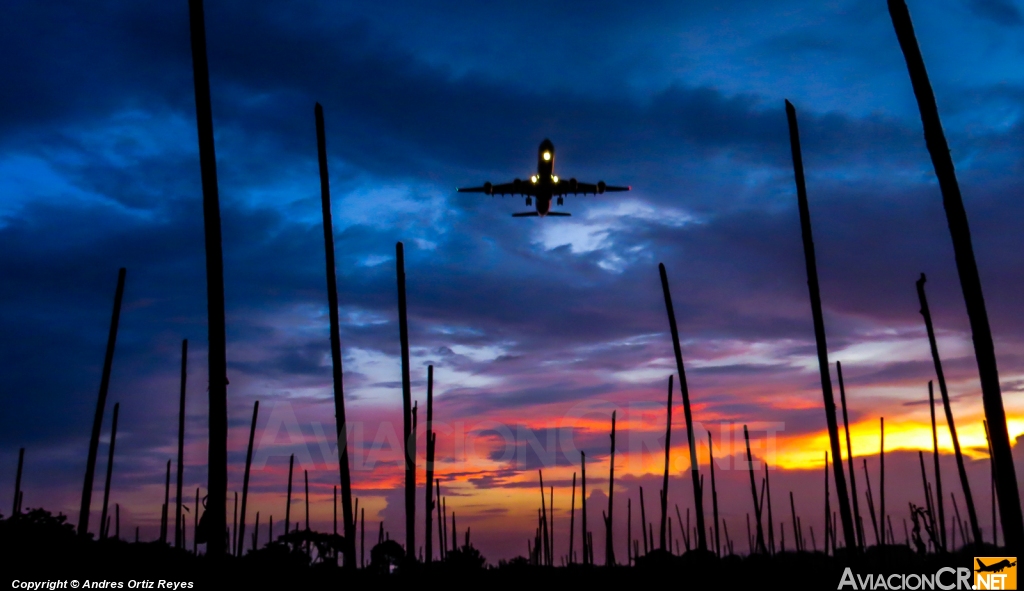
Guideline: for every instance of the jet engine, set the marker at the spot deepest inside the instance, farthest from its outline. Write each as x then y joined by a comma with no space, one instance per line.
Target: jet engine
559,200
517,185
573,185
488,188
529,201
600,187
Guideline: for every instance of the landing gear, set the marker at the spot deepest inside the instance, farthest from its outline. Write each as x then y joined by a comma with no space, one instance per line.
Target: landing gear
529,201
559,200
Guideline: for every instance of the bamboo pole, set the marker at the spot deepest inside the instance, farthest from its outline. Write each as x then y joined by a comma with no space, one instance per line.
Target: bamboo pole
179,541
664,480
410,444
938,473
305,475
217,462
881,476
828,509
110,467
16,509
759,540
255,533
959,523
362,538
970,282
551,529
428,506
195,527
583,507
714,497
440,523
288,503
572,520
871,502
629,532
335,514
992,465
167,500
796,531
546,552
643,521
858,528
609,547
348,519
965,485
245,479
101,403
444,529
819,327
685,393
771,527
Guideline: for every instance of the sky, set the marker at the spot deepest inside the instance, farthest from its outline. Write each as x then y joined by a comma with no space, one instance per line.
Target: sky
537,329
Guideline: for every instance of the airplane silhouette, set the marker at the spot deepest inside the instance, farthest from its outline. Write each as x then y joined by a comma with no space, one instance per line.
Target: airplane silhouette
994,568
544,186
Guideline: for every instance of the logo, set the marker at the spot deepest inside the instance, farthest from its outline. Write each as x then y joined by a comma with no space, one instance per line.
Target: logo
999,572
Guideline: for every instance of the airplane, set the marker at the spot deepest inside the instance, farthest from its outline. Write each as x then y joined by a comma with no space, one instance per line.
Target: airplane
544,186
994,568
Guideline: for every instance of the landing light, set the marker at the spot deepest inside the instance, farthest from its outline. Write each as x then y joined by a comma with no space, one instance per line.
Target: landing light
534,178
547,156
554,178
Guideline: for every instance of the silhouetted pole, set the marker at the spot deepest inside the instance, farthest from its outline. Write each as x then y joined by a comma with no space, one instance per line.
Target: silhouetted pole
664,480
410,471
759,547
992,466
16,509
828,508
881,476
245,478
195,527
110,468
572,519
938,474
968,497
609,547
927,498
871,500
714,496
305,476
583,507
97,421
643,522
234,526
545,550
858,528
288,504
684,391
428,507
349,550
796,531
771,528
216,510
178,540
970,282
551,528
819,328
167,501
441,547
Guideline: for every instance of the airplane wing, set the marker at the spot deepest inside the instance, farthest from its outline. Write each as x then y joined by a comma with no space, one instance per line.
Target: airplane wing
516,187
571,187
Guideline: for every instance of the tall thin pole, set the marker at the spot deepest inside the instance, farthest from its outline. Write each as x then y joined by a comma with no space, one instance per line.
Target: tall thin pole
684,391
410,470
881,476
245,478
583,507
664,480
968,497
609,546
828,508
759,547
970,282
288,503
428,507
819,328
216,509
572,518
305,476
545,550
992,465
17,482
110,467
858,525
938,474
771,528
101,403
167,500
714,496
179,541
349,549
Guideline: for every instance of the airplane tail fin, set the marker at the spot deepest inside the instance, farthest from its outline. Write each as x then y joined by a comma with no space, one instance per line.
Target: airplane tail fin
526,214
